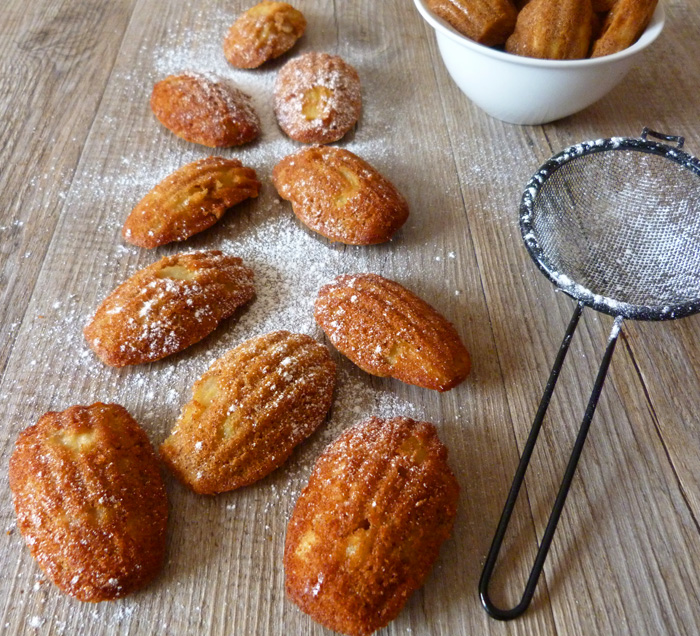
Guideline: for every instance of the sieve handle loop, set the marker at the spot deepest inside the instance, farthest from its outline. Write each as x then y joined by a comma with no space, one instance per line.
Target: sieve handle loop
663,136
489,566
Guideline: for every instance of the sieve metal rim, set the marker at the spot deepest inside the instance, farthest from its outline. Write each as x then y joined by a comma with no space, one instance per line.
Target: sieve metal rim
578,292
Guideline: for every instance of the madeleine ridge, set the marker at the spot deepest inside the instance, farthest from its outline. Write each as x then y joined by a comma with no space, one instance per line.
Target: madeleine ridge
367,529
487,22
205,110
339,195
262,33
553,29
168,306
387,330
90,501
249,410
623,26
190,200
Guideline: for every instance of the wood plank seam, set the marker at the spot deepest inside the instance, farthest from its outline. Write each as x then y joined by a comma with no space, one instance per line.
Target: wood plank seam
543,584
655,420
30,293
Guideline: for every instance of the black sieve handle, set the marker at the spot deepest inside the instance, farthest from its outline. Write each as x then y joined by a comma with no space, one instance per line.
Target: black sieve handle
491,609
648,132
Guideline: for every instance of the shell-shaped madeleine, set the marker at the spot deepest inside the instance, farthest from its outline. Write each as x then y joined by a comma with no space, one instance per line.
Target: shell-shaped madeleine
249,411
623,26
204,110
387,330
317,98
488,22
553,29
263,32
368,527
90,500
168,306
191,199
340,196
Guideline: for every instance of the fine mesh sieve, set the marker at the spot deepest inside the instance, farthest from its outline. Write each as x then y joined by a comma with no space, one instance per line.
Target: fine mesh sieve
615,224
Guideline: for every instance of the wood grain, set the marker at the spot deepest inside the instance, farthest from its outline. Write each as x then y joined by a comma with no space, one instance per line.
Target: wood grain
80,147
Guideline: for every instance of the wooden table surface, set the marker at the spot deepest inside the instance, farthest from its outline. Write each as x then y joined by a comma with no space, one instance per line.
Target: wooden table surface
79,147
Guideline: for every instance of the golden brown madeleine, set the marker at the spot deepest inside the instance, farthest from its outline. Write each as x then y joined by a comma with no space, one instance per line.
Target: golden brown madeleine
340,196
488,22
368,527
90,501
387,330
190,200
623,26
204,110
317,98
262,33
553,29
168,306
249,411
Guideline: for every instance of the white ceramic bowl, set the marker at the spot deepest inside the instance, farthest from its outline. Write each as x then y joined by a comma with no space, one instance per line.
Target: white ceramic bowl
525,90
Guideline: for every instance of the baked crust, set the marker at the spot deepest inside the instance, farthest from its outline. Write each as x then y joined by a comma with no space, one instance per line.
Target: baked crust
204,110
262,33
90,501
488,22
249,411
168,306
317,98
623,25
553,29
368,527
191,199
387,330
340,196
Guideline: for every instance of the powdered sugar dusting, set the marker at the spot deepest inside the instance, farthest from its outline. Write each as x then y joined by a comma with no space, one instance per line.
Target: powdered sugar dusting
237,103
336,101
52,366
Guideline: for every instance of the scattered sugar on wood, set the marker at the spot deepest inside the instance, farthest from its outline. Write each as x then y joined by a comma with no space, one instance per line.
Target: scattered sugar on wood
290,266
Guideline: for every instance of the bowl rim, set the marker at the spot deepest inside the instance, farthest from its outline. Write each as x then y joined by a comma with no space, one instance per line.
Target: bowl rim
650,34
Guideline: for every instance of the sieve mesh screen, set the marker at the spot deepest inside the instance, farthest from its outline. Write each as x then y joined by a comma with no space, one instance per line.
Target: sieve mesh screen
624,224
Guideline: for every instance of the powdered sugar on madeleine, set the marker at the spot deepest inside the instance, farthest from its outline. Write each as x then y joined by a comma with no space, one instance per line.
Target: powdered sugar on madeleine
204,109
368,527
340,196
317,98
249,410
90,500
387,330
263,32
168,306
191,199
